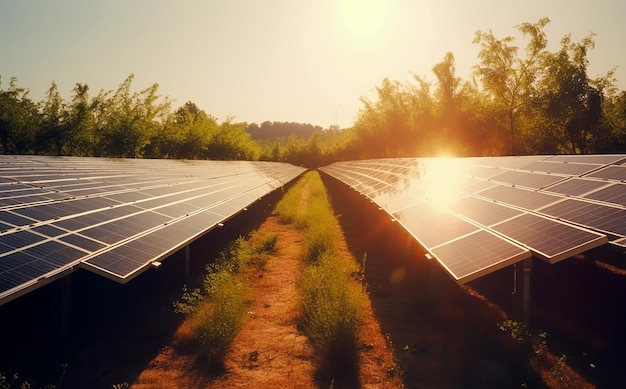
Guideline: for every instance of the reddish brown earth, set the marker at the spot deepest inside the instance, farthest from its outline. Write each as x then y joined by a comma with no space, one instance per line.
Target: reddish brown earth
270,351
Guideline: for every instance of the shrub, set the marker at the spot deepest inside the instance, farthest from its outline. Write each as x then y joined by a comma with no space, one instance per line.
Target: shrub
220,318
217,311
332,307
289,208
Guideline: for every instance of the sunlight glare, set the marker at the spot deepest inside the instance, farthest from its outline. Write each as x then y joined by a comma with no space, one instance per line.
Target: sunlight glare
443,178
364,18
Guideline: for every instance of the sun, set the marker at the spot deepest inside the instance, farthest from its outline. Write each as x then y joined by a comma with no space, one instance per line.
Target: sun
364,18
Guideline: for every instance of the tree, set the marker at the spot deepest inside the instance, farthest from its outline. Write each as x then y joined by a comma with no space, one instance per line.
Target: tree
573,102
384,126
52,134
132,119
232,142
18,119
511,80
80,123
614,119
196,129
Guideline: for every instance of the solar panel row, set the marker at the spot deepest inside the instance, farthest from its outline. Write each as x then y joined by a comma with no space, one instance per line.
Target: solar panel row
551,206
115,217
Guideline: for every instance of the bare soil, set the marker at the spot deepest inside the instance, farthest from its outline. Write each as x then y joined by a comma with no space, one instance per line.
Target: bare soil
270,351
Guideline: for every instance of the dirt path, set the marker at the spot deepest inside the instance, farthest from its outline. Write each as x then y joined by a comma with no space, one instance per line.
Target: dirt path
270,351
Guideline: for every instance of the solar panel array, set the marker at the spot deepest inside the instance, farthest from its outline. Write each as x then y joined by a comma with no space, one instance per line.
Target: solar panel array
478,215
115,216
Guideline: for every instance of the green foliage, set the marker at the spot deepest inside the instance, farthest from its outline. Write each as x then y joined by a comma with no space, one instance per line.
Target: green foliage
518,330
332,307
289,208
219,320
14,381
332,300
218,309
321,233
19,120
530,101
537,342
232,142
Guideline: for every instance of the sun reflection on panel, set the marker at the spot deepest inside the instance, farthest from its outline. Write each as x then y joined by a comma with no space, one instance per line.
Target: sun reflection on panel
442,179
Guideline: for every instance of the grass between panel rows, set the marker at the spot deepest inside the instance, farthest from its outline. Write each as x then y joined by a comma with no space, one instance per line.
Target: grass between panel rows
332,299
218,309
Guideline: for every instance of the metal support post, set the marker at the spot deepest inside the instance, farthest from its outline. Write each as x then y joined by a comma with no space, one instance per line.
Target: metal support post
528,266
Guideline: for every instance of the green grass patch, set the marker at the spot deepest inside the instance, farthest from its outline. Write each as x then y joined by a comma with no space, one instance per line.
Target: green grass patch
332,297
289,208
332,309
218,310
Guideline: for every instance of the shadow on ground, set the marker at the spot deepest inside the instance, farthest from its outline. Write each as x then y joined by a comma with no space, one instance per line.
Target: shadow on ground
85,331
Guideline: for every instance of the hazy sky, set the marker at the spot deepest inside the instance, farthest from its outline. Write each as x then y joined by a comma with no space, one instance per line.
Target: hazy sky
306,61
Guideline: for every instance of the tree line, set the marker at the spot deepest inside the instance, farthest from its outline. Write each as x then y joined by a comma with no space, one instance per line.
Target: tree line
518,102
529,101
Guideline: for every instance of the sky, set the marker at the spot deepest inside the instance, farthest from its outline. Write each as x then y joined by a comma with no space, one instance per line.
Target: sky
279,60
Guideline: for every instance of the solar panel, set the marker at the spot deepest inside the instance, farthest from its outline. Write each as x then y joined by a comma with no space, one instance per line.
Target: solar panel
61,213
549,239
576,186
602,159
527,179
615,194
477,254
431,226
573,169
551,207
613,172
484,212
607,219
523,198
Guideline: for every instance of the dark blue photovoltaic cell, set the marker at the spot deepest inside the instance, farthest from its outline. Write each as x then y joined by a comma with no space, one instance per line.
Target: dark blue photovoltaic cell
615,194
54,253
477,254
23,268
83,242
617,173
527,179
17,240
563,241
522,198
11,218
572,169
598,217
576,186
601,159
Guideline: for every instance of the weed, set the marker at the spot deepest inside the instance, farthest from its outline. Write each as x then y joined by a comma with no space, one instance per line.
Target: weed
516,329
332,302
559,369
289,208
217,311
